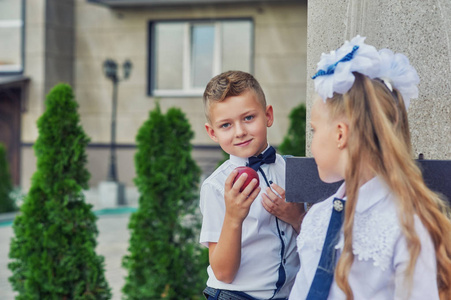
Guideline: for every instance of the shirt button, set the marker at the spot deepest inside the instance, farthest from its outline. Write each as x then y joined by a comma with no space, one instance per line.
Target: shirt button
284,261
283,232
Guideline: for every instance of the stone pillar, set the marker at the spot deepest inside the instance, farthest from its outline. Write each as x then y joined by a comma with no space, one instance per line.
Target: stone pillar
419,29
111,194
59,43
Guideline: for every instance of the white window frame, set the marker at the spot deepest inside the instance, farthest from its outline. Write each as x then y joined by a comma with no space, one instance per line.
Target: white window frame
15,23
188,90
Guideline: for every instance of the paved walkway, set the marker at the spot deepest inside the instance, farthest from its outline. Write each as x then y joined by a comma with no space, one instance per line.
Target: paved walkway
112,244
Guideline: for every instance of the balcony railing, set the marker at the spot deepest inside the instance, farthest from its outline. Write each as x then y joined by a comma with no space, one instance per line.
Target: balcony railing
157,3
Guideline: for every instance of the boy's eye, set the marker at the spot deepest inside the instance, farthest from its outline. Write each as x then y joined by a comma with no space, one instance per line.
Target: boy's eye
248,118
225,125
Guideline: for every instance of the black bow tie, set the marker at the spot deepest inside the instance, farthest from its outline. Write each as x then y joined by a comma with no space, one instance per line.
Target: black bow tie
268,157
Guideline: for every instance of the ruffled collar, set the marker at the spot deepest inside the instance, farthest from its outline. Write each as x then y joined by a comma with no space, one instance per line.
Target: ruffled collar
375,230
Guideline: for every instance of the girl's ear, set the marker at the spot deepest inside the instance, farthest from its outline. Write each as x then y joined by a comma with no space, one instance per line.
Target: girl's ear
269,116
342,134
211,132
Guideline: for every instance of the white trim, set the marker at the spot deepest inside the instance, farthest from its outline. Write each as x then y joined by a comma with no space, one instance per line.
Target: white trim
187,56
11,23
217,49
178,93
10,68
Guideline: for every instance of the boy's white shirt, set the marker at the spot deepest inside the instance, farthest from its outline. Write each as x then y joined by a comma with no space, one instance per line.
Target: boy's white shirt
261,246
379,246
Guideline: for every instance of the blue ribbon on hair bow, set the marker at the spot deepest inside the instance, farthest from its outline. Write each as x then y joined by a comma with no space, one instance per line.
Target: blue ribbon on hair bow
331,69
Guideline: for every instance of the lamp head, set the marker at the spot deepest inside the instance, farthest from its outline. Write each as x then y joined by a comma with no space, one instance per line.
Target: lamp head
110,69
127,66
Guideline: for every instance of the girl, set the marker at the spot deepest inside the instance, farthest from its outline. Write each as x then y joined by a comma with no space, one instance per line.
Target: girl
395,242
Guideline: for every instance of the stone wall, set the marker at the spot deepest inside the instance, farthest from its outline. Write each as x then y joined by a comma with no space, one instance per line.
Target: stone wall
419,29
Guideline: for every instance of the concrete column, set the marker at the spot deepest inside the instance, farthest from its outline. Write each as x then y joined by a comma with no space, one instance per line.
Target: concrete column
419,29
59,43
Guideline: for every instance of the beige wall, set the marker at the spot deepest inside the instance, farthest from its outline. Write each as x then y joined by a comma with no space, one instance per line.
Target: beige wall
99,32
280,61
34,66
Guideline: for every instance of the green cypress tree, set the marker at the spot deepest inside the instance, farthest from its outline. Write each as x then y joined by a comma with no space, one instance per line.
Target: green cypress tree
6,187
53,251
225,156
294,141
165,260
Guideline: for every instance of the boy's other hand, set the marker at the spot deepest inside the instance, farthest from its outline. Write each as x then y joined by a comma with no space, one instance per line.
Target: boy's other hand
238,203
274,202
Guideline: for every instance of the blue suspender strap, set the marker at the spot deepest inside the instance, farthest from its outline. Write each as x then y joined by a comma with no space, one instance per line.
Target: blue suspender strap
282,274
211,293
324,275
269,157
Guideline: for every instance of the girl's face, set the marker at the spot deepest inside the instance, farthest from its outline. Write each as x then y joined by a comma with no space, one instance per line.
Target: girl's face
328,146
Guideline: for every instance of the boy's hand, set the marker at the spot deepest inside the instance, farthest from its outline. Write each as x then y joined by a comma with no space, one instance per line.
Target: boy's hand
274,202
238,204
225,255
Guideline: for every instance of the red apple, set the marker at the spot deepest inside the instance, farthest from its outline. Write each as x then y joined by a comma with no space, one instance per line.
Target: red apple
251,174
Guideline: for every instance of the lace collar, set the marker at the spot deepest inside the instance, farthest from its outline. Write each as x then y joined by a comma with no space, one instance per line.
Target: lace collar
375,231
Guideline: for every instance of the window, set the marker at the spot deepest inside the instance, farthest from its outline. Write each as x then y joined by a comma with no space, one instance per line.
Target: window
185,55
11,36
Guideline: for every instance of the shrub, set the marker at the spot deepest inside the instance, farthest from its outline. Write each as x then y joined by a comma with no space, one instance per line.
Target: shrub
7,204
165,260
294,141
225,157
53,251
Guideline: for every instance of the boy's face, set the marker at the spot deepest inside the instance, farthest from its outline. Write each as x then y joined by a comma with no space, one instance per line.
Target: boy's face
239,124
328,143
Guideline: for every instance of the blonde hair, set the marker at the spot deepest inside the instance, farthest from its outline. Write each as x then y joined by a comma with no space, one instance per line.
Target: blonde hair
379,130
231,83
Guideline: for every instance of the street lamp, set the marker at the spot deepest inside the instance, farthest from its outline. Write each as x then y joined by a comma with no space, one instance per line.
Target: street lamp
110,69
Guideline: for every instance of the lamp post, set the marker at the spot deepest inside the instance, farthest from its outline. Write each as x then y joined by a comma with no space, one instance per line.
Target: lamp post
110,69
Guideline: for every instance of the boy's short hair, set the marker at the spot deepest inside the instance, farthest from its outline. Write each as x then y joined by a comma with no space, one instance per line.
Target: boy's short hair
231,83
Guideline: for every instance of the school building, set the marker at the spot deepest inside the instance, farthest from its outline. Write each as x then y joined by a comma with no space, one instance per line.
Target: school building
174,47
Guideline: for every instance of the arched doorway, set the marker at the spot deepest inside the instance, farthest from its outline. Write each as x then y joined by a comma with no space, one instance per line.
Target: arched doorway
12,93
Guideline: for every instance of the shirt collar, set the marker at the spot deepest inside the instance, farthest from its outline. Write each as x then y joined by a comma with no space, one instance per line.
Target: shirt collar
240,161
370,193
341,192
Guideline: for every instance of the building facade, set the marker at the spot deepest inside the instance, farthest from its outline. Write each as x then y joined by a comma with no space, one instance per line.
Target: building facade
175,47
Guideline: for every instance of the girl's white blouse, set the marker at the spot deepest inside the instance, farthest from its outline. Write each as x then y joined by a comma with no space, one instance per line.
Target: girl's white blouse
381,255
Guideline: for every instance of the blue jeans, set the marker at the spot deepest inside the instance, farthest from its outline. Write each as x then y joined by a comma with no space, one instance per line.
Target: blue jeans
216,294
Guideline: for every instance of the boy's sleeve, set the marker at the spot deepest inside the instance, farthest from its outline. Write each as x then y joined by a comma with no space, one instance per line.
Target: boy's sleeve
212,207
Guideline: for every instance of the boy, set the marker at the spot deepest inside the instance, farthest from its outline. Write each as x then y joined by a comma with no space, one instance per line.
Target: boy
250,234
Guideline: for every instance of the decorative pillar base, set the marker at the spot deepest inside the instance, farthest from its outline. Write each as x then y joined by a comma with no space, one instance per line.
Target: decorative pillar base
112,194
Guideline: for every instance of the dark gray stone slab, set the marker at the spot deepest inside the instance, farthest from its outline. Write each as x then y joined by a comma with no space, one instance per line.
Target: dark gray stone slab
304,185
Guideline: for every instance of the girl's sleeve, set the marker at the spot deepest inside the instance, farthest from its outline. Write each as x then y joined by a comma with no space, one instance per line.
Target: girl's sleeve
424,279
